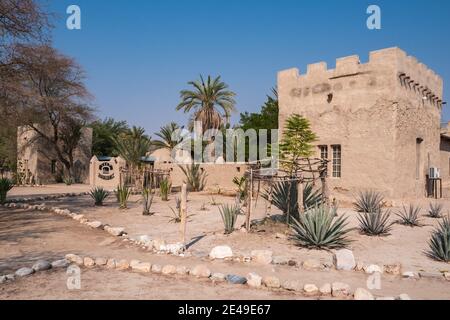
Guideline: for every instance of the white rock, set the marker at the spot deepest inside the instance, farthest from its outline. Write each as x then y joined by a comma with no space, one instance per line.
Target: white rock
325,289
89,262
262,256
221,252
339,289
159,245
311,264
146,240
142,267
271,282
404,296
363,294
254,280
369,269
2,279
134,263
175,248
111,264
169,269
95,224
122,265
115,231
24,272
310,289
344,260
218,277
42,265
292,285
182,270
385,298
409,274
63,263
101,262
201,271
75,259
156,268
78,217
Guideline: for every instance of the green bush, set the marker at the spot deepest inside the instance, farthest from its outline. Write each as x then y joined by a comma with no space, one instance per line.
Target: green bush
319,228
440,242
229,215
195,177
375,223
5,186
241,184
369,201
68,181
435,210
99,195
409,216
122,194
165,188
147,197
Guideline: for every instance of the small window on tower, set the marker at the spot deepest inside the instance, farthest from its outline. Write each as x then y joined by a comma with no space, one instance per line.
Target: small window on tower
337,161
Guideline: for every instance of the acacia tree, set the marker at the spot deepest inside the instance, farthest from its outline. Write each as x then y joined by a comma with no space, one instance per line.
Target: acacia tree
53,100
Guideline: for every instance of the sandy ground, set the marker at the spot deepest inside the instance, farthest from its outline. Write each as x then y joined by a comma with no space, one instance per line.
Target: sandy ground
53,189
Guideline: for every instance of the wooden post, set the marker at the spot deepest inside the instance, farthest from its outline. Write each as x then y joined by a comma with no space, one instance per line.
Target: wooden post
301,209
250,202
183,208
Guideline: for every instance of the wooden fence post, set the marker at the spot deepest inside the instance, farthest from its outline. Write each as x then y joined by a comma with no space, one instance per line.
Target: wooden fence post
183,209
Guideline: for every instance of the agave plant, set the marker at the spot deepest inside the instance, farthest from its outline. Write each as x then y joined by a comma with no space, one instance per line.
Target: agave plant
375,223
165,188
147,197
195,177
99,195
409,216
68,181
241,184
319,228
5,186
435,210
281,195
176,213
229,215
122,194
369,201
440,242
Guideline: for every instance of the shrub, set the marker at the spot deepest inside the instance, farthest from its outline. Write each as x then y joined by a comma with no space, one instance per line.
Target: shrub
369,201
409,216
319,228
68,181
229,215
375,223
122,194
280,196
99,195
5,186
440,242
165,188
195,177
176,213
241,184
147,197
435,210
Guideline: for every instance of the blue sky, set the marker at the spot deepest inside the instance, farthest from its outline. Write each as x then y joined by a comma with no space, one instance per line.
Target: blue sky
139,54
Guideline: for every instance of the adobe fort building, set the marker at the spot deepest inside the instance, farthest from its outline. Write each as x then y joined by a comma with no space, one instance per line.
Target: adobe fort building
378,123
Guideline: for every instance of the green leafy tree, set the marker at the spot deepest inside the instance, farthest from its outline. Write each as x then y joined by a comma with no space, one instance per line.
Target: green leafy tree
207,100
104,134
132,146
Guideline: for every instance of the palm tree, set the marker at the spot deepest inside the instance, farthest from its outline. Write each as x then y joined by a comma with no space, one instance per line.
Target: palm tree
132,146
166,134
207,100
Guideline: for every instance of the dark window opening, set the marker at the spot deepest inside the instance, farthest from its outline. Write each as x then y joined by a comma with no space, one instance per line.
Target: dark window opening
337,161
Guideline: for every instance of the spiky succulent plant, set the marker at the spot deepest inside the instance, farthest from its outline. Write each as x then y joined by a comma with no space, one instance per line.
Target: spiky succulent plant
440,242
409,216
375,223
435,210
369,201
99,195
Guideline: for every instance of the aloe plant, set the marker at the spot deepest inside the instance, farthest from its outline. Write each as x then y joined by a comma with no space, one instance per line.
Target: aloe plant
435,210
241,184
440,242
147,197
99,195
165,188
229,215
319,228
375,223
281,197
122,194
409,216
195,177
68,181
369,201
176,213
5,186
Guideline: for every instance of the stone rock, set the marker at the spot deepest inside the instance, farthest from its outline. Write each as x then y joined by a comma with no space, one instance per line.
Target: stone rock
146,240
339,289
325,289
159,245
142,267
404,296
75,259
271,282
254,280
363,294
2,279
310,289
292,285
24,272
111,264
42,265
78,217
182,270
95,224
279,260
431,275
409,275
262,256
63,263
311,264
115,231
169,269
10,277
89,262
344,260
372,268
134,263
175,248
156,268
394,269
201,271
218,277
221,252
122,265
447,276
235,279
101,262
